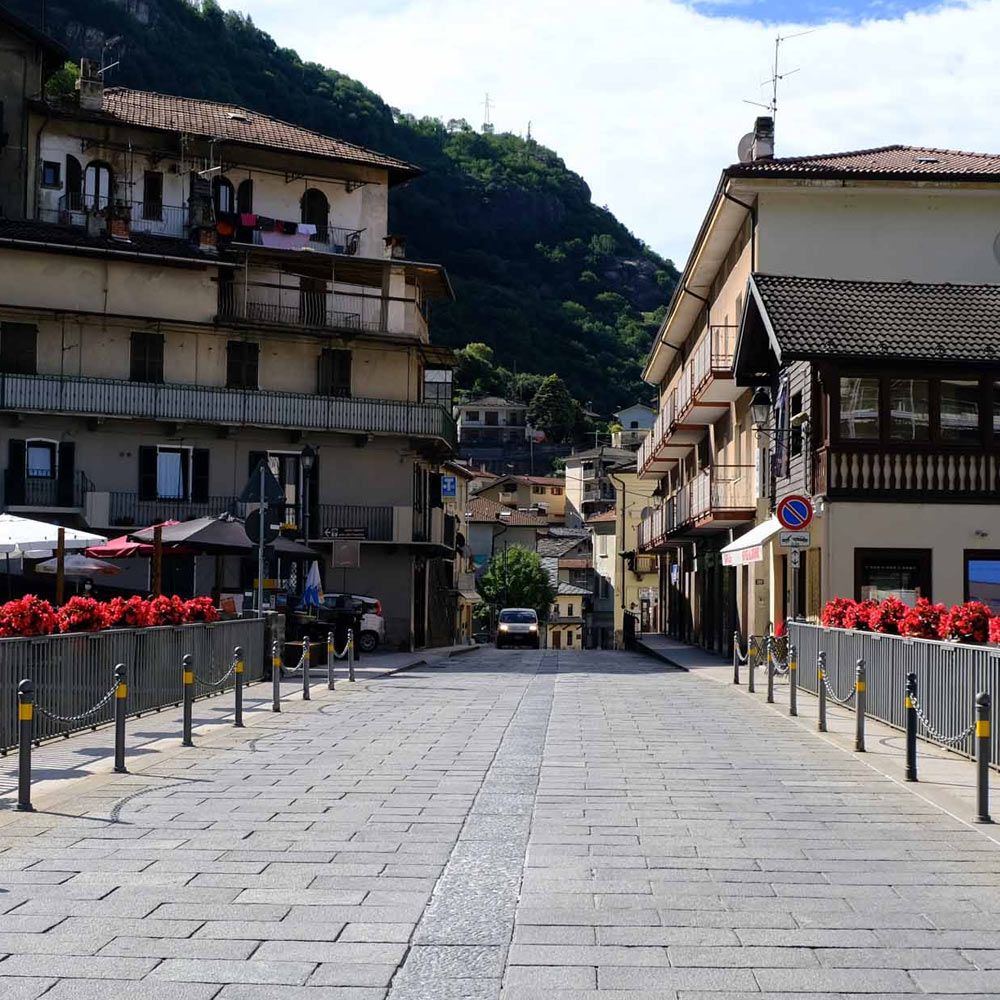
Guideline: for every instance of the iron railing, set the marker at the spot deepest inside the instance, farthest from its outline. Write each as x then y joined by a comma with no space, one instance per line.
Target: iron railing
370,524
127,510
29,490
949,676
72,672
102,397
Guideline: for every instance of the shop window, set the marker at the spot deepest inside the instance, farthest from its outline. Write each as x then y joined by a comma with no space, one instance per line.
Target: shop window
909,409
960,410
859,403
882,573
982,578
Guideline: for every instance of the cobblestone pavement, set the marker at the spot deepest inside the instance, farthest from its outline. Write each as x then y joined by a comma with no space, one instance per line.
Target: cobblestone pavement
524,826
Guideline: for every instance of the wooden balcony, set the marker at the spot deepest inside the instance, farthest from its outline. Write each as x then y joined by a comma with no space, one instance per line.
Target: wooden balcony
719,498
214,405
858,471
702,391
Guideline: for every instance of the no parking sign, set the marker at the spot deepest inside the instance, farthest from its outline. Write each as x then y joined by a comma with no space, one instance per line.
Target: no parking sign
795,512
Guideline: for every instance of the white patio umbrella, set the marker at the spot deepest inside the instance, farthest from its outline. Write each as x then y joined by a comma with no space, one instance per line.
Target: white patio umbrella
77,565
21,536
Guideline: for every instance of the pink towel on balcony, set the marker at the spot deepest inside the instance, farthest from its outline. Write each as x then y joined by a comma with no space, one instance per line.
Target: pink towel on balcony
248,220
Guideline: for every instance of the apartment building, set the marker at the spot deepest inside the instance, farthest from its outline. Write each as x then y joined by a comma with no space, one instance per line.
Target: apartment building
542,495
631,425
194,286
491,422
895,214
590,484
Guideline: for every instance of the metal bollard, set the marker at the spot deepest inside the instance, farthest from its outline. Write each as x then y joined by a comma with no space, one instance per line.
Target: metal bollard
275,677
238,687
793,683
751,672
859,707
121,699
305,669
983,740
736,657
331,656
911,727
350,655
25,715
188,678
821,688
770,676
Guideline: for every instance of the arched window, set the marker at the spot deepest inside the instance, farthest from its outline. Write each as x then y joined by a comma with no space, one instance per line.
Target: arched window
244,197
74,183
223,195
316,210
98,185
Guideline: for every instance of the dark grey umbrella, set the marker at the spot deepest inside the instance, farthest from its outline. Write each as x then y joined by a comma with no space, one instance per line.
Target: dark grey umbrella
221,534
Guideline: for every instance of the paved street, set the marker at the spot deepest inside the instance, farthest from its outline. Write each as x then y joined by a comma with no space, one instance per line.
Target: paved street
525,826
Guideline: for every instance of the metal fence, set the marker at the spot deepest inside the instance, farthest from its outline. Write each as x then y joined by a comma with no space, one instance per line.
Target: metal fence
948,677
73,672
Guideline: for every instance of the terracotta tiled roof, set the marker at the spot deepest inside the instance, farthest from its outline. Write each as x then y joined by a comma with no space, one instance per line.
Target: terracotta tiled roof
574,564
556,547
482,509
817,317
883,161
233,124
543,480
608,515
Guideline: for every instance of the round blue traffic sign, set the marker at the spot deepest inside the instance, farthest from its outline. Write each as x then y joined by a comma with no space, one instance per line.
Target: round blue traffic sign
795,512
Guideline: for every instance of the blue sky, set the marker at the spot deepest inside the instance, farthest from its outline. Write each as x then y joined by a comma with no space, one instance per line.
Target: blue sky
647,98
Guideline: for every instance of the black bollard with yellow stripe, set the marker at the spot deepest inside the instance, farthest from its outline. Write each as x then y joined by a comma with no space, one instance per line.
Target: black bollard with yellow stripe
860,700
793,680
910,707
25,717
983,741
121,699
238,686
275,677
187,675
821,689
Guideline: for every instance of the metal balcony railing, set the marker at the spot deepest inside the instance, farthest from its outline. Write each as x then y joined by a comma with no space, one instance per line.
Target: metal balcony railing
370,524
126,510
56,394
27,490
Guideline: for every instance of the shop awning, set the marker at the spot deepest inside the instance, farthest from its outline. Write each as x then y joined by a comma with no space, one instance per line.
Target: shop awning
749,548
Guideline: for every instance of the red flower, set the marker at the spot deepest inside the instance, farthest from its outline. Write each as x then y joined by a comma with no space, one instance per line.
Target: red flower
923,620
27,616
858,615
81,614
887,616
995,629
200,609
834,612
122,613
165,610
969,623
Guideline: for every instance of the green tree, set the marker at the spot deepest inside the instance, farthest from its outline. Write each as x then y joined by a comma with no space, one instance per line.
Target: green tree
515,578
62,83
554,410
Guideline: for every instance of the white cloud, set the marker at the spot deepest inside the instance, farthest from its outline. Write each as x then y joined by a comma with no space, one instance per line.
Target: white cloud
645,97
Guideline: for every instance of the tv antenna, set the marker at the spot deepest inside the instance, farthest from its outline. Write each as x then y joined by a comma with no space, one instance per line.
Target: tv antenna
776,75
487,107
109,43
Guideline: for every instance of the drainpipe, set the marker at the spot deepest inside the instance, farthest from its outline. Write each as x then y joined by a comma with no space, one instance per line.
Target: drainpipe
36,173
752,209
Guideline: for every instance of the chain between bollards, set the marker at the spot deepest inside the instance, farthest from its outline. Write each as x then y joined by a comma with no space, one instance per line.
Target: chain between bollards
306,656
238,667
793,683
860,700
983,741
187,668
121,701
25,716
275,677
821,687
910,707
350,654
331,656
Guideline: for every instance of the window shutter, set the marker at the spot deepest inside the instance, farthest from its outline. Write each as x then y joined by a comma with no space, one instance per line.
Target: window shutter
147,472
17,456
435,489
324,380
312,499
66,474
199,475
341,373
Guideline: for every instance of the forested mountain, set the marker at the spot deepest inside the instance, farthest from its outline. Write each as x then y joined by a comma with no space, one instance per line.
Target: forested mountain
543,276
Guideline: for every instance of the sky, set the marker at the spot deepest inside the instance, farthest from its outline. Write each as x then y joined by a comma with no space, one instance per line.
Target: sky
646,99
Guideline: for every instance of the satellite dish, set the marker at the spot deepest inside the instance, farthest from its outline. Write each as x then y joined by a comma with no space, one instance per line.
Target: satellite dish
743,150
645,512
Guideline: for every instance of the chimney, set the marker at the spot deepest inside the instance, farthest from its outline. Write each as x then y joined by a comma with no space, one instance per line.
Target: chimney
90,86
395,246
763,139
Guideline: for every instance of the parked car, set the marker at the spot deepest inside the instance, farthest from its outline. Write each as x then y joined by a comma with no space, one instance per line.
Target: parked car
372,623
517,627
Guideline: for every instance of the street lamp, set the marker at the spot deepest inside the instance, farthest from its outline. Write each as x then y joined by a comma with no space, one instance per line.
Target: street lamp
760,409
308,460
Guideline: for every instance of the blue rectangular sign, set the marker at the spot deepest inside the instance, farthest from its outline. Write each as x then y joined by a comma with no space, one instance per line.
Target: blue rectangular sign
449,486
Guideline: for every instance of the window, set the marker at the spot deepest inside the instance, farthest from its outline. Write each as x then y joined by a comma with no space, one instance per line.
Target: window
147,357
602,545
982,578
98,185
223,196
902,573
996,408
152,195
40,460
244,197
437,387
172,474
74,183
556,491
795,428
316,211
51,174
859,402
569,610
241,364
334,372
18,349
492,419
634,425
909,409
538,490
569,635
960,410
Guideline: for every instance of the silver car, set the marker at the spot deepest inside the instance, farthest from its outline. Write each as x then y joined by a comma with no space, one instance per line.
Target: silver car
518,627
